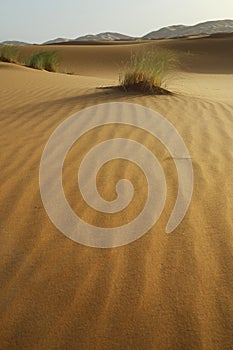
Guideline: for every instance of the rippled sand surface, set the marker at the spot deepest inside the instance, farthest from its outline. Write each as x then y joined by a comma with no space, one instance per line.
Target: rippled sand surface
159,292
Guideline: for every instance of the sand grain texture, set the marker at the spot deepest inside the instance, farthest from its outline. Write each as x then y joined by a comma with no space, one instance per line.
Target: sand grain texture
160,292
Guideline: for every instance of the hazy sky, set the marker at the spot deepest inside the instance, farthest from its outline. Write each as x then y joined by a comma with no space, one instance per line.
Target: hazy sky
41,20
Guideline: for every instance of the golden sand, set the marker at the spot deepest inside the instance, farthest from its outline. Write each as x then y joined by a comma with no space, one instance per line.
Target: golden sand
160,292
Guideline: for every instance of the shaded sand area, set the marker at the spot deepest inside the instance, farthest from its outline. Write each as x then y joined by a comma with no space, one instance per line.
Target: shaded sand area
160,292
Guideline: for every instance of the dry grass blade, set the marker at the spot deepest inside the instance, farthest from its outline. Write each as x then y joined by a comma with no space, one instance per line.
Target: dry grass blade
147,71
46,60
9,53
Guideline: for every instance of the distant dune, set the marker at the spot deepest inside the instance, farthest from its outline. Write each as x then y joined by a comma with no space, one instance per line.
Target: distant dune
55,41
210,27
204,54
105,36
14,42
174,31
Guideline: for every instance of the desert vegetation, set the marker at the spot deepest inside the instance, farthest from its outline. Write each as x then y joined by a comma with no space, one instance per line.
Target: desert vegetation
9,54
46,60
147,71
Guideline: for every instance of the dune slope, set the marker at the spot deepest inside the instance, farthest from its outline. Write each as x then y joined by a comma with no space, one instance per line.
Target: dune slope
160,292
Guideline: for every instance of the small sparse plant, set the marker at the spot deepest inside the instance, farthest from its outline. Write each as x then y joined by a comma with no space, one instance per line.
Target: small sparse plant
148,71
9,53
46,60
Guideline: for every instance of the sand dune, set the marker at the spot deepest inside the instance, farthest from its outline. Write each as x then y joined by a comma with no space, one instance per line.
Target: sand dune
160,292
199,55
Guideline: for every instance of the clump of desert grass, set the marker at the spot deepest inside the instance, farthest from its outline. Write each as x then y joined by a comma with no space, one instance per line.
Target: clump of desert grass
148,71
9,53
43,60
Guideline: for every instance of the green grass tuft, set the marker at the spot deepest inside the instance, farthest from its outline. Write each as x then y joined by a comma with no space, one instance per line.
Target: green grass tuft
46,60
9,53
148,71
